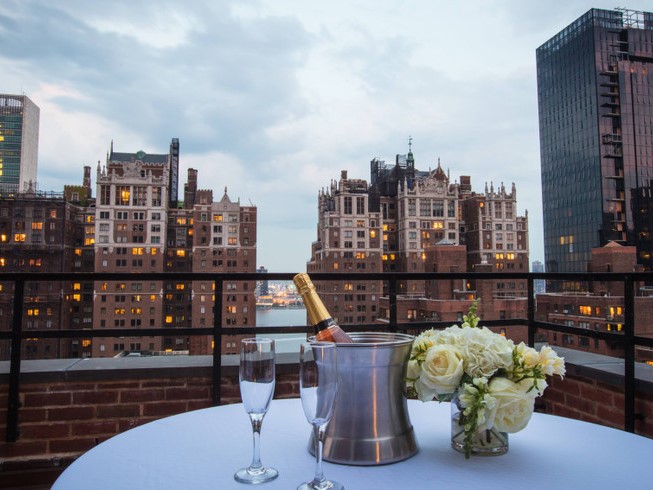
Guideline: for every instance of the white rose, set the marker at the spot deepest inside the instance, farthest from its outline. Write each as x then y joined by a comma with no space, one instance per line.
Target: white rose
550,363
421,344
412,370
529,356
441,373
485,352
514,404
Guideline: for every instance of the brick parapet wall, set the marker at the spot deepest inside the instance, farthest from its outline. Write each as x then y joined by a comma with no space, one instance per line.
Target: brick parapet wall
593,399
63,414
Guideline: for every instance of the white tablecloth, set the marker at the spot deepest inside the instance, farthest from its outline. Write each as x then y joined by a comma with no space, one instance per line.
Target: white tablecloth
203,449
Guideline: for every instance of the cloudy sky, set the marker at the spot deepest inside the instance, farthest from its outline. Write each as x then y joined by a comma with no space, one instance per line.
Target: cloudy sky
273,98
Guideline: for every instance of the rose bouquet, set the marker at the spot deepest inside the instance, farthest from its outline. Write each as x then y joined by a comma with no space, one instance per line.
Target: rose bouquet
493,381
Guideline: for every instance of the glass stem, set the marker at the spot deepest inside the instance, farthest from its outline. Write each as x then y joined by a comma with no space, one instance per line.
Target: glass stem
257,421
318,433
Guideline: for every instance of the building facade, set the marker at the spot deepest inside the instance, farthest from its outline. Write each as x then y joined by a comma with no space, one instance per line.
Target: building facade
595,97
19,144
134,224
408,220
601,308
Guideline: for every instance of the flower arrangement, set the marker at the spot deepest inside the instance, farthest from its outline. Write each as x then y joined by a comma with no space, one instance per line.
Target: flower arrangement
496,382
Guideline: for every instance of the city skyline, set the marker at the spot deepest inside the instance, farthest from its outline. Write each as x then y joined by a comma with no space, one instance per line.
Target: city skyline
272,100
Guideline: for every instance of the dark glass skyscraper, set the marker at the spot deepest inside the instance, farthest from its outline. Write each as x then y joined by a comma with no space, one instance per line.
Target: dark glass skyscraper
595,95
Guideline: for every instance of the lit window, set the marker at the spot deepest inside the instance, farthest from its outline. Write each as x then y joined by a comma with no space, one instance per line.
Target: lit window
168,318
181,253
19,237
180,287
77,287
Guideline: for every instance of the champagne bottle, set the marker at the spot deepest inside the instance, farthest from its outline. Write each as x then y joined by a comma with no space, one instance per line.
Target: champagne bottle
327,328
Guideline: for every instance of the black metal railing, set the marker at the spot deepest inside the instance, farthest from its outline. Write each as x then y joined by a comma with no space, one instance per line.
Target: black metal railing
17,334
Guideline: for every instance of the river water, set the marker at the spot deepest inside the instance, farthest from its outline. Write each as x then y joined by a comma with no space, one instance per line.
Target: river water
283,317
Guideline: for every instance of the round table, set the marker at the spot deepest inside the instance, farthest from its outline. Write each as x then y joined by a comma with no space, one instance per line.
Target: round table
202,450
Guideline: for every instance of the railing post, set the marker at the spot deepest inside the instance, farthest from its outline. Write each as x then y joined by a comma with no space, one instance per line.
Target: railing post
217,340
629,354
392,302
531,311
13,402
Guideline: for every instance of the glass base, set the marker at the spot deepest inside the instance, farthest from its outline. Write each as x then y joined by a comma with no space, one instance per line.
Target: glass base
254,476
325,485
484,443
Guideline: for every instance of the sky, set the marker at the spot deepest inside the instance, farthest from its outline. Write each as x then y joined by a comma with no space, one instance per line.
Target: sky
272,99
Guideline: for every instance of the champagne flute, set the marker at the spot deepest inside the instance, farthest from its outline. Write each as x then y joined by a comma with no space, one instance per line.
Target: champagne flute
318,383
257,378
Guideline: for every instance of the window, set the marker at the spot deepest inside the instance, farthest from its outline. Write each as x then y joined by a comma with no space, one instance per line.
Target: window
105,195
139,197
156,198
360,205
122,195
438,208
347,205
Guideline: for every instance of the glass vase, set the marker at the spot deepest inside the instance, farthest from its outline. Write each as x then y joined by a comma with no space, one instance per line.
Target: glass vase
488,442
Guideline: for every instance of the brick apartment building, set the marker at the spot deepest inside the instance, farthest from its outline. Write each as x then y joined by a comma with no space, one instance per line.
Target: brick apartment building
601,307
407,220
135,224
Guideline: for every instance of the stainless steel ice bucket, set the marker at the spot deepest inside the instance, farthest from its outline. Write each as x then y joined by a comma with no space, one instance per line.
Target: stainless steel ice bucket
370,424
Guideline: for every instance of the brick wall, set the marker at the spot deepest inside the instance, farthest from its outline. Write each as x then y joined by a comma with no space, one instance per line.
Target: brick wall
61,419
592,400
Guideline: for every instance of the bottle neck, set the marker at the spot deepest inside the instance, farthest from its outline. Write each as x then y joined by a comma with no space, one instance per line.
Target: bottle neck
317,312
